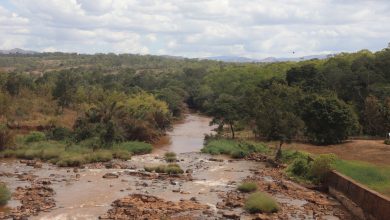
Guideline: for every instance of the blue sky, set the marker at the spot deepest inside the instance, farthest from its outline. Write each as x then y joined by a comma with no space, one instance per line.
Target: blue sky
251,28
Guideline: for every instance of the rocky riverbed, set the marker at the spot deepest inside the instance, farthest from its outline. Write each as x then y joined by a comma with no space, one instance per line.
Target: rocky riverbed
123,190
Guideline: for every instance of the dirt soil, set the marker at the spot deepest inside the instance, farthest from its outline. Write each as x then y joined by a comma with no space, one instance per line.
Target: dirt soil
372,151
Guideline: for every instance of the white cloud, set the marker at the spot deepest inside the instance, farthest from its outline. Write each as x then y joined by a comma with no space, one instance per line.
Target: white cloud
253,28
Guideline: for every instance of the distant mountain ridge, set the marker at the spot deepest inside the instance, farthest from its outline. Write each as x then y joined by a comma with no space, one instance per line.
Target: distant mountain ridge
239,59
234,59
17,51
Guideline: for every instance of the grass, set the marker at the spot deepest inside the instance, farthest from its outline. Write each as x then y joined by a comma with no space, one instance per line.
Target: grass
169,169
374,176
63,154
235,149
170,157
5,194
261,202
247,187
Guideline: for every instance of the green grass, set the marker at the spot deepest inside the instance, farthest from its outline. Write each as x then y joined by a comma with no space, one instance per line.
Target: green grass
62,154
373,176
261,202
169,169
5,194
235,149
170,157
247,187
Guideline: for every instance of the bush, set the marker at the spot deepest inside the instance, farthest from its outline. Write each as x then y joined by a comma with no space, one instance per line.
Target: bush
247,187
387,141
5,194
170,157
261,202
173,169
168,169
35,136
299,167
321,166
135,147
60,133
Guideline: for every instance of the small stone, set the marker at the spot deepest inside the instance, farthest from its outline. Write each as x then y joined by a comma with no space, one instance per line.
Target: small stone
110,176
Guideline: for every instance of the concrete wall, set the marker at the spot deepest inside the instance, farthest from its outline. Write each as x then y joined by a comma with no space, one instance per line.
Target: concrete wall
373,204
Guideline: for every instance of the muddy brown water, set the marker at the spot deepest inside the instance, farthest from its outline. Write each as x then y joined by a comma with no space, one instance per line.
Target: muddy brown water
90,196
186,136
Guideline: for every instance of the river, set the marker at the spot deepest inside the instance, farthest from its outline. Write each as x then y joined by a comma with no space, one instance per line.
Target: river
186,136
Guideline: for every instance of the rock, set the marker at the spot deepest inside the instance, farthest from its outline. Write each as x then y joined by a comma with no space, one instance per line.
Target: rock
262,217
216,160
75,170
189,171
231,215
141,206
37,165
110,176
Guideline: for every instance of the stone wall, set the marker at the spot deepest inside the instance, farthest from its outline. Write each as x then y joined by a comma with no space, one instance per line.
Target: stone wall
373,204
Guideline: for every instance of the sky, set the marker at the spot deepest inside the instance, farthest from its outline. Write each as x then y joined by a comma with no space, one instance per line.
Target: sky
196,28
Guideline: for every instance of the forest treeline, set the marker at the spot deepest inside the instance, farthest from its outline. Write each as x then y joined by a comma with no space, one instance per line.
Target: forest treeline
113,98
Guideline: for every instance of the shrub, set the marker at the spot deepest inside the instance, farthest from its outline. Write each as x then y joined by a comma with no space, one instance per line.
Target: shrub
321,166
169,169
135,147
247,187
60,133
5,194
387,141
261,202
35,136
173,169
299,167
170,157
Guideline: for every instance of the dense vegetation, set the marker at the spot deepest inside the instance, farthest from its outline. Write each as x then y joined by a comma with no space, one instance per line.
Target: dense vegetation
100,101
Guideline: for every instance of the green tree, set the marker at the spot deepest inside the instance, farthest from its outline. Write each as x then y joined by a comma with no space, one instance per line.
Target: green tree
225,111
328,120
65,88
275,116
373,121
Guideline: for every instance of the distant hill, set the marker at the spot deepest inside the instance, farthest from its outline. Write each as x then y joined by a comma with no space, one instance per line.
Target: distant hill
231,59
17,51
238,59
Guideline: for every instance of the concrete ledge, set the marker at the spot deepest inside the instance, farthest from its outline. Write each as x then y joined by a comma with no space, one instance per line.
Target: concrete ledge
373,204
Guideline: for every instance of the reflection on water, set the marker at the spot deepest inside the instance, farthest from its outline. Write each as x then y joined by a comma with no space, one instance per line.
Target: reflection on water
186,136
